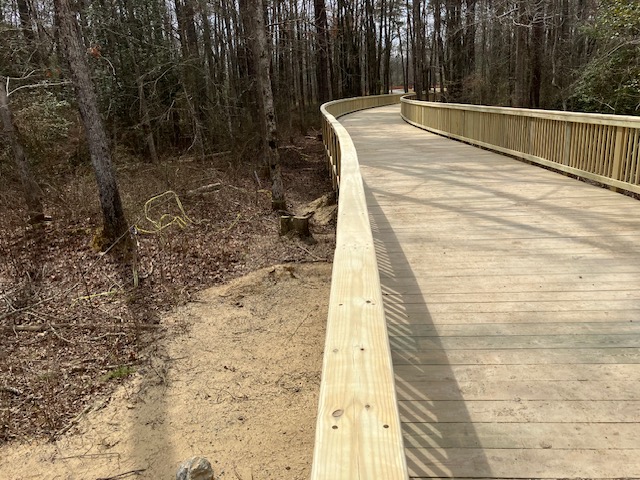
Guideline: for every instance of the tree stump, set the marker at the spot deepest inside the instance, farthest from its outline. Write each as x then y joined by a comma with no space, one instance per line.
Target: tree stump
295,224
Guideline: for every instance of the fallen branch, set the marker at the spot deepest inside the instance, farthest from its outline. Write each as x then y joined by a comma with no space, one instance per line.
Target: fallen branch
212,187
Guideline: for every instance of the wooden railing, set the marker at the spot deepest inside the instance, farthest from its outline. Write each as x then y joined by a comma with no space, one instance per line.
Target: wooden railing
358,434
602,148
330,126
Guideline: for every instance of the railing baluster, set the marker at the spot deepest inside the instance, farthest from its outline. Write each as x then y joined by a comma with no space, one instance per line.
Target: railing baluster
603,148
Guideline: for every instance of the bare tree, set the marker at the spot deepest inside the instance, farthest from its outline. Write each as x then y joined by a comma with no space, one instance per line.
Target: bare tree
261,51
322,67
115,223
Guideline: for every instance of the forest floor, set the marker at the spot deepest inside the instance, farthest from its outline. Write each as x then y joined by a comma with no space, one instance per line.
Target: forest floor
217,351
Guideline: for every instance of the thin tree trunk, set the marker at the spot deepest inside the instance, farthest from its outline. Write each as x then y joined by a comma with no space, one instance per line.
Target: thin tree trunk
537,40
263,77
145,118
26,24
115,223
403,63
470,45
439,46
30,188
322,42
521,57
371,57
418,40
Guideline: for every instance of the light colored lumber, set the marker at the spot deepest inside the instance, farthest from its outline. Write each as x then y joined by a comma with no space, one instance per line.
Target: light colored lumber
412,343
415,314
549,372
520,411
515,390
516,436
358,433
518,356
524,463
428,329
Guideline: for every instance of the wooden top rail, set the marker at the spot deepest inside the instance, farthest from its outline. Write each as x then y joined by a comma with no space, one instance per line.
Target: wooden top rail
603,148
358,433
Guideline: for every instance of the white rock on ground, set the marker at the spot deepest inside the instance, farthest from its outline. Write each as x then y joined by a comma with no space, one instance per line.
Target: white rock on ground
196,468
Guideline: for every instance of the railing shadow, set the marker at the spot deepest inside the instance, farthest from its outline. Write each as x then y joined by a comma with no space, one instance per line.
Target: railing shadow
431,453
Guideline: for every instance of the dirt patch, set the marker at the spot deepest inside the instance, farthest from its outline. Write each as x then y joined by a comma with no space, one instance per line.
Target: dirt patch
235,378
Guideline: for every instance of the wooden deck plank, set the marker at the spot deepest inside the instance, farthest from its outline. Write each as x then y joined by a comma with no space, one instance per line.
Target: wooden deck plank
523,463
514,390
562,436
398,315
518,356
548,372
512,298
520,411
428,329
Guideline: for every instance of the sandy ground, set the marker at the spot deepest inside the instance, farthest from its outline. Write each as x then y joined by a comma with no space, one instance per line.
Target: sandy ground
235,379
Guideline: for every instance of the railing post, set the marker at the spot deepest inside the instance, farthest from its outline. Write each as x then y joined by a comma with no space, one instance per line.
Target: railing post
566,156
618,154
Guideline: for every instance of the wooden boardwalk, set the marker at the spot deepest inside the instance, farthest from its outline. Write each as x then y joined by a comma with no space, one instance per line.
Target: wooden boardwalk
512,296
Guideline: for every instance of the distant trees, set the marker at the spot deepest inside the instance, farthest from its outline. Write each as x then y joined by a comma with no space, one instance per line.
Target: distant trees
183,75
610,81
564,54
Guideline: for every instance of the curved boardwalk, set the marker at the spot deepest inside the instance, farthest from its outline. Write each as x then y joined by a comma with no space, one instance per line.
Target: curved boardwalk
512,297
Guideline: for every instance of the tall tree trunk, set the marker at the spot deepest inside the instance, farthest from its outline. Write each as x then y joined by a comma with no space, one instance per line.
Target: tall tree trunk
195,93
418,57
521,90
26,24
322,47
30,188
537,40
403,63
438,44
371,57
145,118
115,223
263,77
455,49
469,50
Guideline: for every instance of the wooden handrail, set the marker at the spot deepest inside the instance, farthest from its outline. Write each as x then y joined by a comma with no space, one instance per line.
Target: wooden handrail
602,148
358,433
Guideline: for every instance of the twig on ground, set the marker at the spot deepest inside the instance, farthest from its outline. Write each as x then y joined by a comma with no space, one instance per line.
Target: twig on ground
73,422
66,340
114,334
90,455
235,471
124,474
299,325
315,257
6,388
28,307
